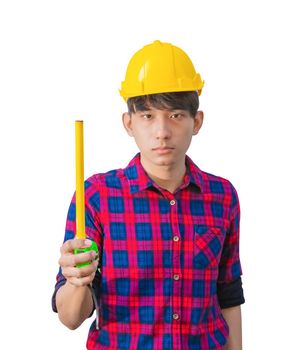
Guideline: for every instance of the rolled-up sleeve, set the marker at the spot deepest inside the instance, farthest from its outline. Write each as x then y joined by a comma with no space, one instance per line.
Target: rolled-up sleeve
229,285
92,226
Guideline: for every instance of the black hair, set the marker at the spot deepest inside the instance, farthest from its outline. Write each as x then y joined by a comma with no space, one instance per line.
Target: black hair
185,100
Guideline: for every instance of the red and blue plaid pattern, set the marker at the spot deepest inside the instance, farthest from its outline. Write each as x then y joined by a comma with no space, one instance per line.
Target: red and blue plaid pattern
162,255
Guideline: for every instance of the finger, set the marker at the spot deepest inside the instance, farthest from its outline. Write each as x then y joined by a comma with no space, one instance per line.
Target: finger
81,281
85,257
72,260
71,244
81,272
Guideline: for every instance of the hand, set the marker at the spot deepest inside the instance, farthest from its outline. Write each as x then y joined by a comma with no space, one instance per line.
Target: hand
81,276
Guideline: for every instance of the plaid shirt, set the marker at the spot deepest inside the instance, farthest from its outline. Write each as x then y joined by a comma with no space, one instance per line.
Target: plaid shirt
162,255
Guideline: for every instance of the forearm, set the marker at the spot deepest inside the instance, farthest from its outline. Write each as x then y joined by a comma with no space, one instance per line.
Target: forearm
232,316
74,304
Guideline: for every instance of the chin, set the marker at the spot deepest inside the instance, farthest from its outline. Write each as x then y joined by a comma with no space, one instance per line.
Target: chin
164,160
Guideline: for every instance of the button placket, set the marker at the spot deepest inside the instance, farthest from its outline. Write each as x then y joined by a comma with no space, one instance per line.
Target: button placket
176,246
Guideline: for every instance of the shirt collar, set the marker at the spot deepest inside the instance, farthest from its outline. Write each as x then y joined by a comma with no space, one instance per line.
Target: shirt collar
139,179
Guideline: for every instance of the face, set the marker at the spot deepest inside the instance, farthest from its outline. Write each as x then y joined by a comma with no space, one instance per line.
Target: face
162,136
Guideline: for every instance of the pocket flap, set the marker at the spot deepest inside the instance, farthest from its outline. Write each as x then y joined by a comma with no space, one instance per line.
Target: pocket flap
203,229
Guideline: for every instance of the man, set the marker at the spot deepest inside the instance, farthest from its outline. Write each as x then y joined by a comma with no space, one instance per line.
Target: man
167,232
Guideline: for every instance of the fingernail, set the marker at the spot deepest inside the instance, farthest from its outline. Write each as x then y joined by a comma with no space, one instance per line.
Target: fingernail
88,242
94,255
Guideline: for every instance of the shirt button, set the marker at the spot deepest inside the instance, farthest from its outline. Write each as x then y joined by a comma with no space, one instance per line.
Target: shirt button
176,238
176,316
176,277
172,202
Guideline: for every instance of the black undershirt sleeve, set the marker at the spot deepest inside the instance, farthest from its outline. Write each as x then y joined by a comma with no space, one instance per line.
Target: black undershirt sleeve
230,294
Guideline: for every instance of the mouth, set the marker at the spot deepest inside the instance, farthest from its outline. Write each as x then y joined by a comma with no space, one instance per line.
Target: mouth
163,150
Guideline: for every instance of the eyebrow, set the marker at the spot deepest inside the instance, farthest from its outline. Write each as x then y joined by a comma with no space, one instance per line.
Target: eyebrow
165,109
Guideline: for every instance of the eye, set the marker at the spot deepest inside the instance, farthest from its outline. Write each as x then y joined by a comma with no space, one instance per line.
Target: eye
146,116
177,115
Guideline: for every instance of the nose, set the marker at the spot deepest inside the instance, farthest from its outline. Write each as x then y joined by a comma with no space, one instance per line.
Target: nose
162,129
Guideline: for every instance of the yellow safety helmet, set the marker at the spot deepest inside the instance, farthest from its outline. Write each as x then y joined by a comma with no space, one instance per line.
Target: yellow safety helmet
157,68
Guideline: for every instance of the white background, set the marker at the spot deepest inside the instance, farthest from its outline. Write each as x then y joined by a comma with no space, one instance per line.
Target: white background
65,60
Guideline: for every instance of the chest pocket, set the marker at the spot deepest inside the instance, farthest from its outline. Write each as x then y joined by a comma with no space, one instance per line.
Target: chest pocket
208,244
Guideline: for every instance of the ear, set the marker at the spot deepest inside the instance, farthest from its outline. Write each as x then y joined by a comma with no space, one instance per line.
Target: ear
127,123
198,120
